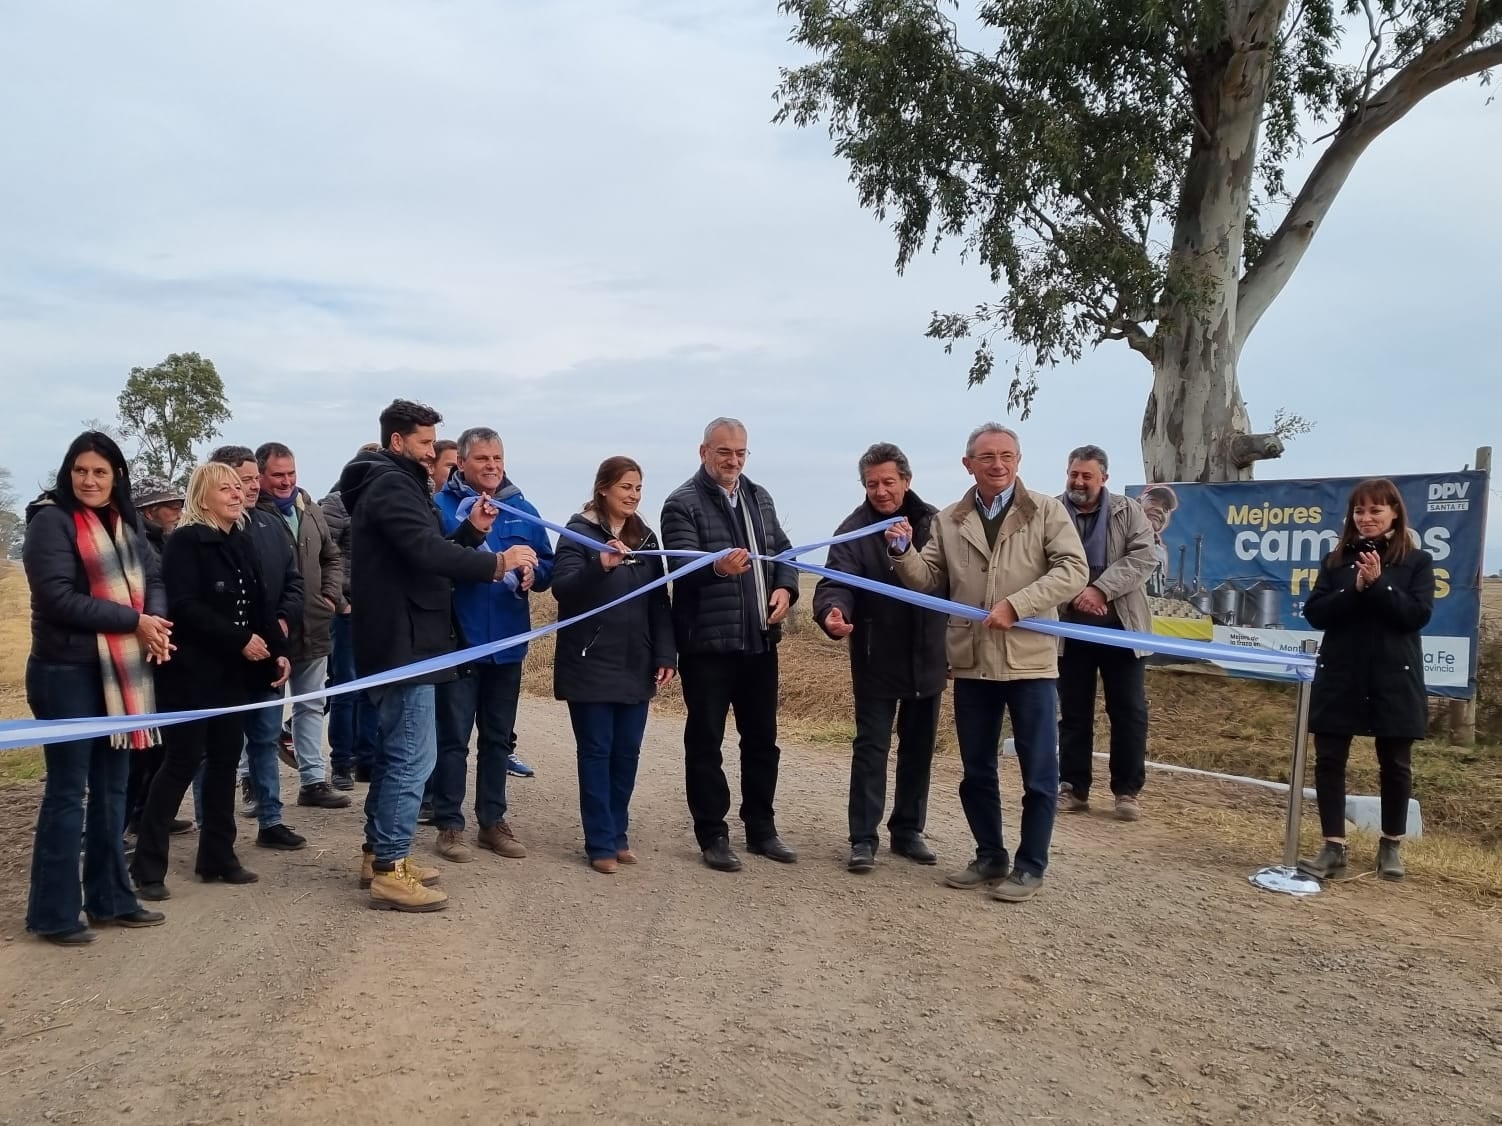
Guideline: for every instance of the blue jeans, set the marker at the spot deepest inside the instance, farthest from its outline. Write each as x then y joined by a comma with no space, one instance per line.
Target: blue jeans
262,729
978,709
608,742
485,697
353,730
404,759
307,720
67,692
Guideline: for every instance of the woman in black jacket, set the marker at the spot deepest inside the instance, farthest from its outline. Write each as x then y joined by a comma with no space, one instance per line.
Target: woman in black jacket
229,651
610,665
1373,595
97,621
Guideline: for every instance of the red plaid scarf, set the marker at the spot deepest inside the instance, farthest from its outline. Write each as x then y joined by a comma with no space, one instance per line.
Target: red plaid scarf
115,575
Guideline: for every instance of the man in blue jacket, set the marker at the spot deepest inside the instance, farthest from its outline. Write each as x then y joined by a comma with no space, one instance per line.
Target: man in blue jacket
486,693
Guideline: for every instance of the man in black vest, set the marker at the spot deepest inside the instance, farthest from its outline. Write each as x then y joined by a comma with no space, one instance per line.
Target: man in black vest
897,664
727,618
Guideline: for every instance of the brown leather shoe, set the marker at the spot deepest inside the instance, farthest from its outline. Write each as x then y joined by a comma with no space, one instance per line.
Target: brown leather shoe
500,839
451,846
626,856
605,865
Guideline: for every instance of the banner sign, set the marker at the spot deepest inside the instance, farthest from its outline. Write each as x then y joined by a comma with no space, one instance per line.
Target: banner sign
1237,560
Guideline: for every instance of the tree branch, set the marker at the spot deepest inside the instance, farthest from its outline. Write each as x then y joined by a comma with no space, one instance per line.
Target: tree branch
1431,70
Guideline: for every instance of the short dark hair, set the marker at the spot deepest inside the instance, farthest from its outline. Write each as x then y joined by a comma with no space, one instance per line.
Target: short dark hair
233,456
404,417
443,445
879,454
268,450
96,442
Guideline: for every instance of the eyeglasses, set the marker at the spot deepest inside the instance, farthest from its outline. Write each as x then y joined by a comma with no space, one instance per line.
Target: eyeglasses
992,459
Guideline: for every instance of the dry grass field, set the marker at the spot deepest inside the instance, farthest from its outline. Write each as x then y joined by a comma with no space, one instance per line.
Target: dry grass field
1206,721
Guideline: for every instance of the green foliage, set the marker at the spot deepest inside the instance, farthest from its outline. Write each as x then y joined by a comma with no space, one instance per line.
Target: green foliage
170,408
1065,145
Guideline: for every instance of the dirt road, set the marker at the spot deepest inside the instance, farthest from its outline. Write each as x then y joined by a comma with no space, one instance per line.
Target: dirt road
1149,983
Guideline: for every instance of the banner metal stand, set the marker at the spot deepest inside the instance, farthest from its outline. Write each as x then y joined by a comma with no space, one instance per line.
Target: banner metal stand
1286,878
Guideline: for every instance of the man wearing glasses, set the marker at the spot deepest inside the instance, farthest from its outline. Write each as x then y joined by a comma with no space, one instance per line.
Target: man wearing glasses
727,620
1015,552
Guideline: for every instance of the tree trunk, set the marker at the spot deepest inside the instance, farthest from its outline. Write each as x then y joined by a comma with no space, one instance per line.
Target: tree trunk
1195,426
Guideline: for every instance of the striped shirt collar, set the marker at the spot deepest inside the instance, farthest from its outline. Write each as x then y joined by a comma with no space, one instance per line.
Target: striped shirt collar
998,503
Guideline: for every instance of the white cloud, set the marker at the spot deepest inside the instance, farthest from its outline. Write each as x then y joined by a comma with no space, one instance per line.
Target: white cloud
576,221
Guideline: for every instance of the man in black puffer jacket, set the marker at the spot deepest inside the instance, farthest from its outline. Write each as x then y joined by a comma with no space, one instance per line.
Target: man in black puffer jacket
727,619
897,664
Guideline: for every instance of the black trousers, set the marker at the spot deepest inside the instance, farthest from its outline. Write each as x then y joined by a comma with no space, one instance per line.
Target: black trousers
216,742
714,684
143,768
1124,677
917,723
1394,768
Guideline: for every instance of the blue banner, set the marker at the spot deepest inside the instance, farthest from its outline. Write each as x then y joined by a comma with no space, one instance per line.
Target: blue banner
1237,560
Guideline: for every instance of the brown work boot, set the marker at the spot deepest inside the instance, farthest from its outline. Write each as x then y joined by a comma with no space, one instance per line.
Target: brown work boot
605,865
451,846
401,890
1069,802
428,877
500,839
626,856
1128,808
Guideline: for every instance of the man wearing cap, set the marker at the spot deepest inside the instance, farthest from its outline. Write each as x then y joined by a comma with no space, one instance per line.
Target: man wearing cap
160,504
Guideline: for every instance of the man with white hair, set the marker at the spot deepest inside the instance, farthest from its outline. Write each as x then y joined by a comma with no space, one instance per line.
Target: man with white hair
1003,548
727,618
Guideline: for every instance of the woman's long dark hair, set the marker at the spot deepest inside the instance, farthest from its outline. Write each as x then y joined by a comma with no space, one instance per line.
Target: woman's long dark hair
612,469
1375,490
95,441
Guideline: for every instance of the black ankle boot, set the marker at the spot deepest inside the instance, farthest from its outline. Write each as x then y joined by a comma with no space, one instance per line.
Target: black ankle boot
1389,862
1330,863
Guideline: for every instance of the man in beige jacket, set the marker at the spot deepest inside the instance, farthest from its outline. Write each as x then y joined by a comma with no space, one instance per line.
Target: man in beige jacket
1014,551
1122,555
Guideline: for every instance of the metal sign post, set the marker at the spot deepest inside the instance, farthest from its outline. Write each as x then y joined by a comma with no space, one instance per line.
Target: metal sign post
1286,877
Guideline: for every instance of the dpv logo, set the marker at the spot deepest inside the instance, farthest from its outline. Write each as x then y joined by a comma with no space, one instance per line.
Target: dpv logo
1449,496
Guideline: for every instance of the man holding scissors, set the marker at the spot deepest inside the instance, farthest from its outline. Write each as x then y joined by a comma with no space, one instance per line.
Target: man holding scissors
403,564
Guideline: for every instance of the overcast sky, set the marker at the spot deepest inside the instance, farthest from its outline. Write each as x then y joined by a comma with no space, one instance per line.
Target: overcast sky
574,222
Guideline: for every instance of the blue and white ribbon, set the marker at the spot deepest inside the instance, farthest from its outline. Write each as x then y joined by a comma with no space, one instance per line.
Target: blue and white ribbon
32,732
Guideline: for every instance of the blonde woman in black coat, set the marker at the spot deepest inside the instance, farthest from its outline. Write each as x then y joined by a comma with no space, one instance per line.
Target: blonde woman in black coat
230,650
1374,594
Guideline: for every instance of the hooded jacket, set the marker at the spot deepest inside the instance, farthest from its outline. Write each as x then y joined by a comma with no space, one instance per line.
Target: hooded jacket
66,618
402,566
322,570
337,518
489,611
